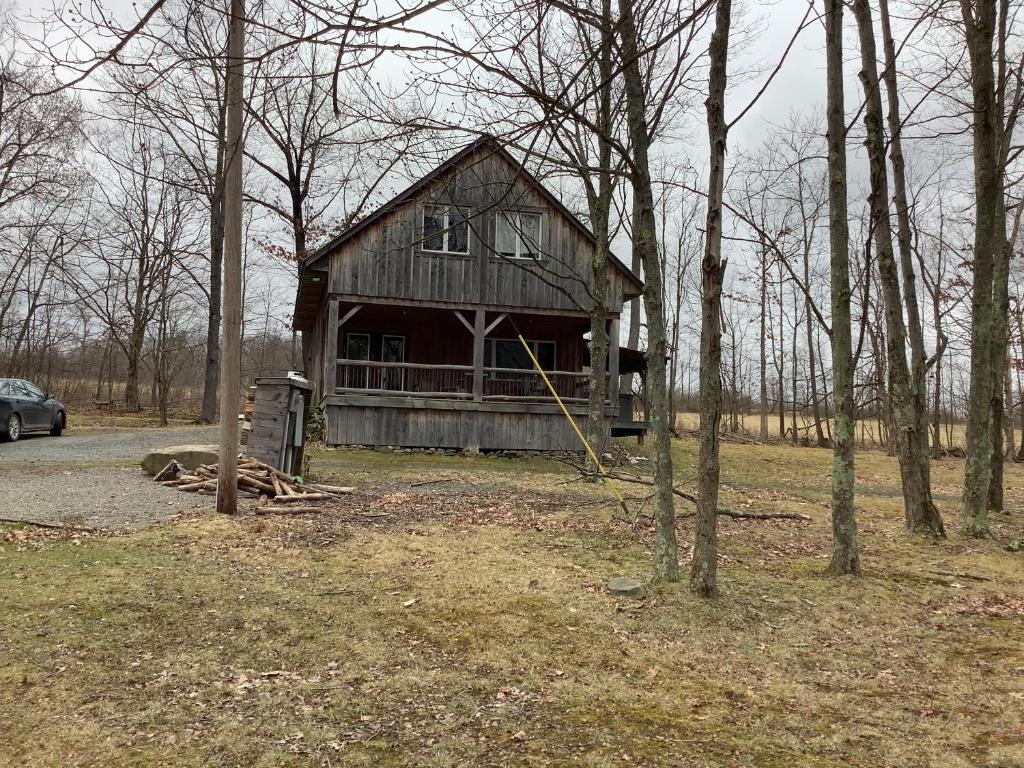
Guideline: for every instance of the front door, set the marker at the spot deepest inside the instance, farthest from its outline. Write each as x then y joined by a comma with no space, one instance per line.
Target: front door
34,411
357,347
392,350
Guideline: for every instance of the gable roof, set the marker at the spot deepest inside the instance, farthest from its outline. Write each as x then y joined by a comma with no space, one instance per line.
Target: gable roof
409,193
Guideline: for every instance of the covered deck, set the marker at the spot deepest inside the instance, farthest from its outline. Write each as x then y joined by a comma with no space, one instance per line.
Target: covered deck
456,377
472,355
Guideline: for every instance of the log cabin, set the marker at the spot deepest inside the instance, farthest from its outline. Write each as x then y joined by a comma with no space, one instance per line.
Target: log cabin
411,316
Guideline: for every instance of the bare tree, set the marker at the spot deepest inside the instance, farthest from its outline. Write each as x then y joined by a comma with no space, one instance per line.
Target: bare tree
703,574
845,546
990,257
921,515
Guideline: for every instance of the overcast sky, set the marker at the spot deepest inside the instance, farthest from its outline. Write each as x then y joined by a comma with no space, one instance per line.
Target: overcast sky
800,85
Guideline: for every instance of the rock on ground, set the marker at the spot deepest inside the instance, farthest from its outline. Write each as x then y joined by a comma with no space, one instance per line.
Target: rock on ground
189,456
626,586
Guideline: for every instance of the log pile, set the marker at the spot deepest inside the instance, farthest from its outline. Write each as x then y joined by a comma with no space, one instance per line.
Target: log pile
274,491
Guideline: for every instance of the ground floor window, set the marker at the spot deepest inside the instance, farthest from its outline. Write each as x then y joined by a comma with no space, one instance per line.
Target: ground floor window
376,347
509,353
357,347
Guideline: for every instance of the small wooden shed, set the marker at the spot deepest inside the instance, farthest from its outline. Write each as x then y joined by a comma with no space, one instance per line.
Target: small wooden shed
279,418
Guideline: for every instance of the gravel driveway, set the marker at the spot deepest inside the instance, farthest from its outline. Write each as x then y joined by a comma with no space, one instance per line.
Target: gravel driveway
57,480
88,447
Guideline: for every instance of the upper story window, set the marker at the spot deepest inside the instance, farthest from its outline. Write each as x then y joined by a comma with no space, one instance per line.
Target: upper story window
445,229
517,235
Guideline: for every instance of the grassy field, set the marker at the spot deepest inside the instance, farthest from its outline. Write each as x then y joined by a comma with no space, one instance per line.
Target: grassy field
458,617
90,420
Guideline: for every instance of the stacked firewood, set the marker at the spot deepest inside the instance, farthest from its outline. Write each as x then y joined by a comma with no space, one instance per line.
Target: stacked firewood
256,480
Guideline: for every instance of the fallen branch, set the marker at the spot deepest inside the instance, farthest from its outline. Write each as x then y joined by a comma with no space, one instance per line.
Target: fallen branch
959,575
300,497
754,515
49,526
732,513
289,510
432,482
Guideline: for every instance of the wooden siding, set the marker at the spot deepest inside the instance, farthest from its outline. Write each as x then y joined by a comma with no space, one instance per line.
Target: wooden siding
385,260
426,423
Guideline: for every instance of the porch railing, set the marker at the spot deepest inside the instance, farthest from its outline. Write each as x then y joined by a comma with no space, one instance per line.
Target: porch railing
518,384
424,380
456,381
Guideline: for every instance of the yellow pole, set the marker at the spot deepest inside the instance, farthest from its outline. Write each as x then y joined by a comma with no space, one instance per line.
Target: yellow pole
575,427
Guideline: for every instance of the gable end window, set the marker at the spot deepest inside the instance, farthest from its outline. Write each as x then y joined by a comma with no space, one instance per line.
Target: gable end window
445,229
517,235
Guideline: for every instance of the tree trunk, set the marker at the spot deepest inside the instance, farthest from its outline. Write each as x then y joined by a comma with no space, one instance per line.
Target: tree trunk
819,433
989,234
920,513
793,371
937,412
212,372
230,368
600,214
645,244
762,434
845,545
597,424
1000,310
1011,447
133,353
1020,384
704,569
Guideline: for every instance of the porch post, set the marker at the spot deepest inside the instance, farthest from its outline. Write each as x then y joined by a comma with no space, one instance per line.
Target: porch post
479,331
613,363
331,348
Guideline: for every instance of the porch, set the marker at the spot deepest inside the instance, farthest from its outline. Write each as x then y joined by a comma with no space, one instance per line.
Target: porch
456,354
423,376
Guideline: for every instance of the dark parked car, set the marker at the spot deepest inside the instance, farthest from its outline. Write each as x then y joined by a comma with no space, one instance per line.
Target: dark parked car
24,407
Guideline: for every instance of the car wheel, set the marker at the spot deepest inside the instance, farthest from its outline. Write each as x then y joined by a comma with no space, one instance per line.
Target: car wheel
12,430
58,424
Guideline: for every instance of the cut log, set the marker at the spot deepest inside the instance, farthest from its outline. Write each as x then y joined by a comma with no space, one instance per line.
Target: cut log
256,480
205,485
244,478
301,497
337,489
267,468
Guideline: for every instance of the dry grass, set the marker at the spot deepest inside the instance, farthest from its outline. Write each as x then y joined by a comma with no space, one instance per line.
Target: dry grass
465,623
867,432
92,419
